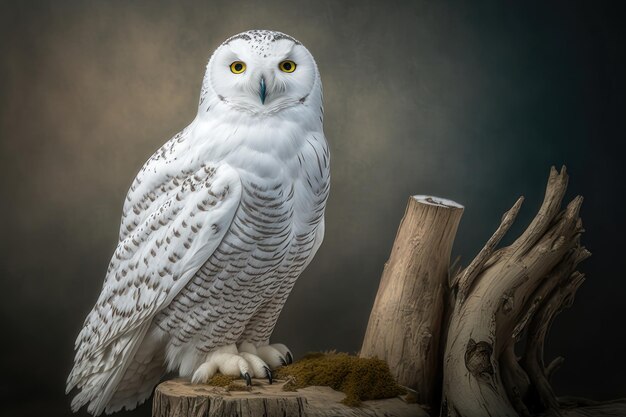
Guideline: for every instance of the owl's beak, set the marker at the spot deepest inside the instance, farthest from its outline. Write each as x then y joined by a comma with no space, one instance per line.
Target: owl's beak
262,91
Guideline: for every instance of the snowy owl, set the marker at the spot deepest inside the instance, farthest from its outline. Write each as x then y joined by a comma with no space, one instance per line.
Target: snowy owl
216,228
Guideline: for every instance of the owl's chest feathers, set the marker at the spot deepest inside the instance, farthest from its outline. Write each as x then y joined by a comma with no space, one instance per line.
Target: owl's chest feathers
285,175
283,167
286,204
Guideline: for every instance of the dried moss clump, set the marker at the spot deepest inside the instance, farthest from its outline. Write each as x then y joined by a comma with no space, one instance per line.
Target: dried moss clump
228,382
238,387
359,378
220,380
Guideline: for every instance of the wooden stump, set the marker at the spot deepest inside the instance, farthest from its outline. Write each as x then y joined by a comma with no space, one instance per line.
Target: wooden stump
180,398
406,320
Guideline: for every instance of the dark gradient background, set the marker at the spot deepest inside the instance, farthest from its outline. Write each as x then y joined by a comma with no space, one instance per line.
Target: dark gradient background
473,101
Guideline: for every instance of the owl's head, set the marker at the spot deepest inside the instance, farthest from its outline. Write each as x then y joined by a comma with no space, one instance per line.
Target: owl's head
260,71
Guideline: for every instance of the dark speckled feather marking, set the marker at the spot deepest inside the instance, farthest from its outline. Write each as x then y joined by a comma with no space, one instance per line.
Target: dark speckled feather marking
261,37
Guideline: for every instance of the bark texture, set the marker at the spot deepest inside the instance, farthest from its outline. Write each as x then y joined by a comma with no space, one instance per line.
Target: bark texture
406,320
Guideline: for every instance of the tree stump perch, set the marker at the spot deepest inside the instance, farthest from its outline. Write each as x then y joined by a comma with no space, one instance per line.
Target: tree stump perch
448,336
180,398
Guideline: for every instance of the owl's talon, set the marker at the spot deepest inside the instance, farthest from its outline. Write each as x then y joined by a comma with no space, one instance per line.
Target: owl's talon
284,351
268,374
274,355
246,376
228,362
257,366
203,373
267,356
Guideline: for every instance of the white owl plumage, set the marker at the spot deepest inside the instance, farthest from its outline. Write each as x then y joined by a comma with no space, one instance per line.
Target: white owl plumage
216,228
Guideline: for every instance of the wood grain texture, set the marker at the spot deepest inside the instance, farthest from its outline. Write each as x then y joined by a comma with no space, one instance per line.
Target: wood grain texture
405,322
180,398
510,293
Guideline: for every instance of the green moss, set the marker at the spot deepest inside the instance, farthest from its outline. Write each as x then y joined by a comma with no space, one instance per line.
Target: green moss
220,380
359,378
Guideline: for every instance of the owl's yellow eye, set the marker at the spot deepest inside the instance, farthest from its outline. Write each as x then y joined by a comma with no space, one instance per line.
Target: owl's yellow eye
287,66
237,67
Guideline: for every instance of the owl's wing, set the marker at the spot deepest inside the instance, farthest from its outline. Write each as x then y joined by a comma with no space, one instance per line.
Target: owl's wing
150,266
154,183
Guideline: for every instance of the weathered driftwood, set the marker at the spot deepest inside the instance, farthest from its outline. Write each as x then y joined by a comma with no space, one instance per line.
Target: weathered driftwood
406,319
180,398
503,295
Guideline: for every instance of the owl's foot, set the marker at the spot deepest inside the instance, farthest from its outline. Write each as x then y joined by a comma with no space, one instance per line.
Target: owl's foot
229,361
274,355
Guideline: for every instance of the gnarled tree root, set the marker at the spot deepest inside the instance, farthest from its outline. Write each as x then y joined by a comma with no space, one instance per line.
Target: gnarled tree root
505,295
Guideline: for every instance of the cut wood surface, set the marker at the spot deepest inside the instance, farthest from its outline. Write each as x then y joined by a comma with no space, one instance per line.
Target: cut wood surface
180,398
406,320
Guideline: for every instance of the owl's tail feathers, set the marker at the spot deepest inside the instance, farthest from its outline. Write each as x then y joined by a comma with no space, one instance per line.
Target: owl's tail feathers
140,378
120,375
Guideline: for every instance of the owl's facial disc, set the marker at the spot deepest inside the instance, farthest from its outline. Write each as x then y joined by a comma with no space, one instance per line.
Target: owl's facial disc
262,72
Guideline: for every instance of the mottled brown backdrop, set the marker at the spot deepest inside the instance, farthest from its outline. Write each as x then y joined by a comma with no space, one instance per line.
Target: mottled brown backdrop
472,101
